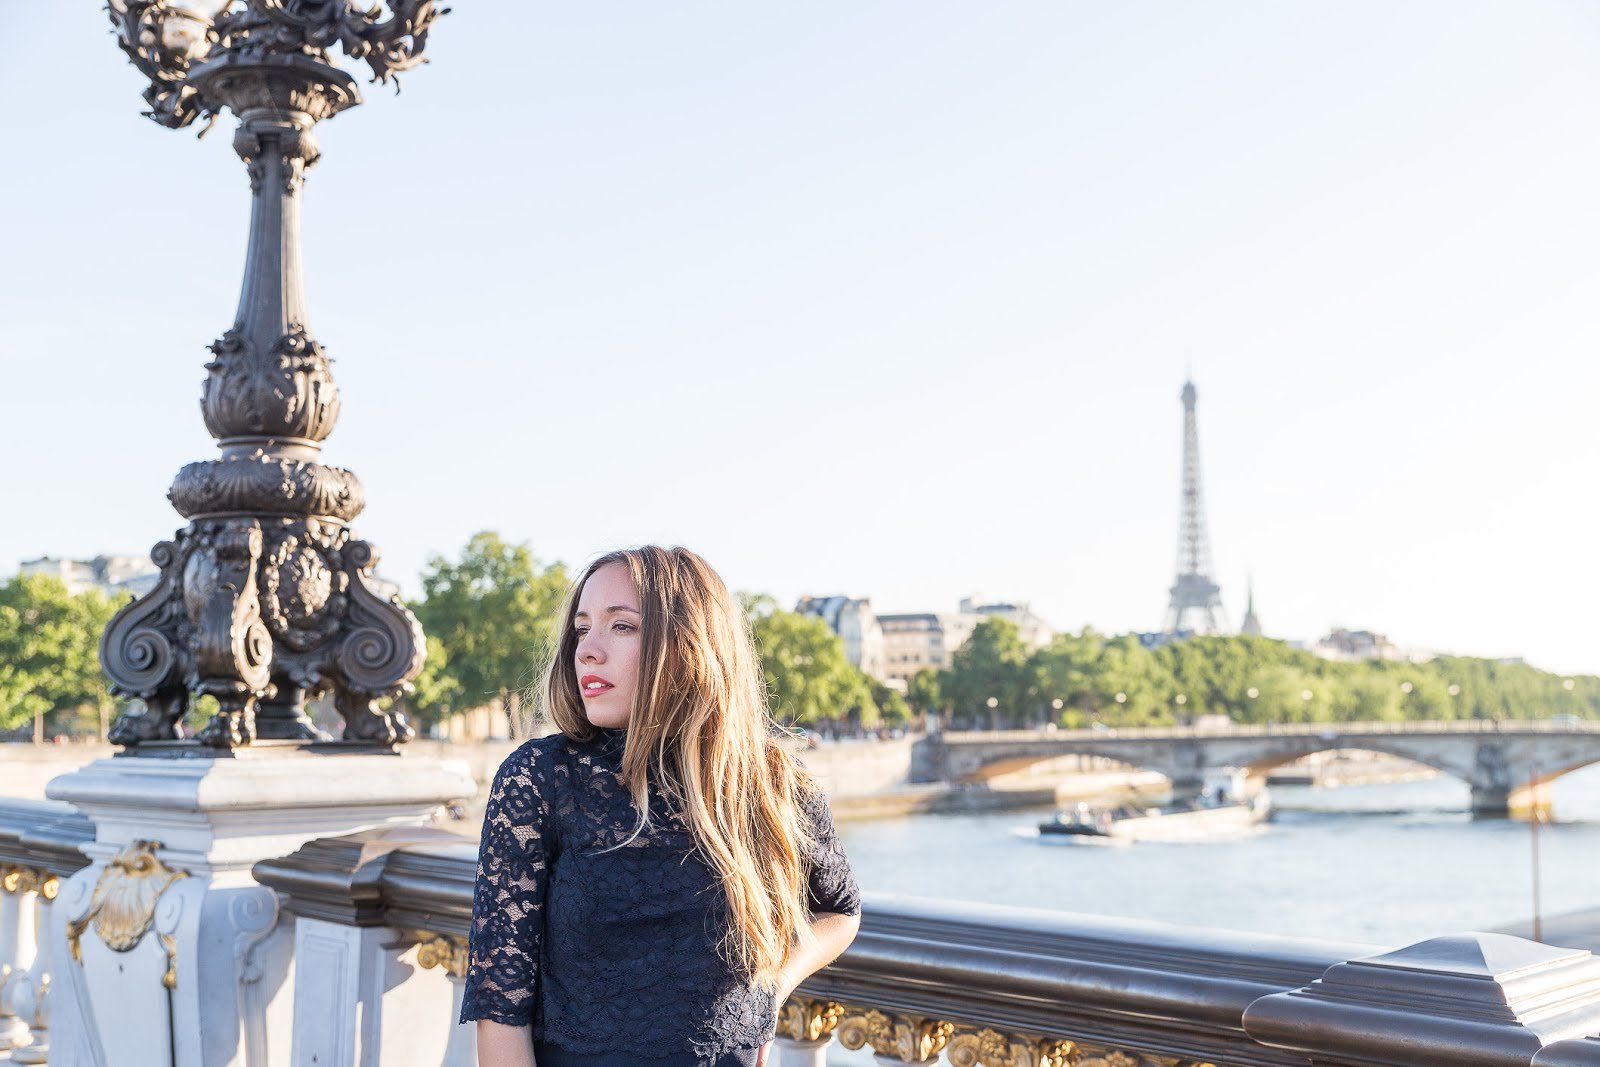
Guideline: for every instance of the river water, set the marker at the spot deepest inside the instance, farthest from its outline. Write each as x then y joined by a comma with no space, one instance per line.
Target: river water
1390,864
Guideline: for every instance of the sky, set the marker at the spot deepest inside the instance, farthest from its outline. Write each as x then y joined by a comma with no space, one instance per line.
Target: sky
890,298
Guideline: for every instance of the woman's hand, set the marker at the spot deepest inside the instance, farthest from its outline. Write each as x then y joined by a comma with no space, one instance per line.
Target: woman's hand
766,1050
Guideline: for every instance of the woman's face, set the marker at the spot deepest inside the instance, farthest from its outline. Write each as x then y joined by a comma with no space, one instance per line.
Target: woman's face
607,657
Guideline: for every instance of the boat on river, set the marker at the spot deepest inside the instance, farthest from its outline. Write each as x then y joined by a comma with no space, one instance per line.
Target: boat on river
1216,813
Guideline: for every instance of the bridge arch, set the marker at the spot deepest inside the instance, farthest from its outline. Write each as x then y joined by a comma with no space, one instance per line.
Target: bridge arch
1502,764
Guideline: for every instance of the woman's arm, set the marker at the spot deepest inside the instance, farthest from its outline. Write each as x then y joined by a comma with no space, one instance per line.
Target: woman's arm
831,934
500,1045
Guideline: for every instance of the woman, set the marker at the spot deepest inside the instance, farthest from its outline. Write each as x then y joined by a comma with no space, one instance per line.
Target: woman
655,879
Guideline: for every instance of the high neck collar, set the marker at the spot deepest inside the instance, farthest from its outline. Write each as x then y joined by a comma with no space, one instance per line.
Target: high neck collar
611,739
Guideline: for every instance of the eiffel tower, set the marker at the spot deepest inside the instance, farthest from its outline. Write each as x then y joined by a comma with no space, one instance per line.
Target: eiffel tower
1196,604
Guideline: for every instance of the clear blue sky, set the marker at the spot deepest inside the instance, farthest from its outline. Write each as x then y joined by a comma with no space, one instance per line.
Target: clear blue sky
888,298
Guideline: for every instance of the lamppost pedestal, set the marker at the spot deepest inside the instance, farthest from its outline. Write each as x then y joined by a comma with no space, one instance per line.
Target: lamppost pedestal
167,949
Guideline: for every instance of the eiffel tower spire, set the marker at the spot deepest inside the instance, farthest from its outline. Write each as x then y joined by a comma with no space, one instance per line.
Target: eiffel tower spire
1196,599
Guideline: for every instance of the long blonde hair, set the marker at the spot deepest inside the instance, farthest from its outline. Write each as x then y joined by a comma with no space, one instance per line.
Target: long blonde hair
700,731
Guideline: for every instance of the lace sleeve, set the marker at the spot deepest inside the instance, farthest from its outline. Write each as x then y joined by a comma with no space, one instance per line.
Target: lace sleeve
830,884
508,898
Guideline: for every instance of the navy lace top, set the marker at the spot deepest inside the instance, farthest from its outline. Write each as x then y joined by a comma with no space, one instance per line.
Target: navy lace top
613,951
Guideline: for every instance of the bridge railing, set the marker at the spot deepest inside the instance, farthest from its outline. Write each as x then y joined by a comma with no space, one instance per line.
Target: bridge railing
932,981
1294,729
926,982
38,848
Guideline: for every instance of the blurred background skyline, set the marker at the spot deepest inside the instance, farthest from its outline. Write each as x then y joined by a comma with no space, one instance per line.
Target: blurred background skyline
887,299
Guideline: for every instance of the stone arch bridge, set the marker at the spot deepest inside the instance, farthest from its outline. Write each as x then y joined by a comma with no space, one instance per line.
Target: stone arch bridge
1502,762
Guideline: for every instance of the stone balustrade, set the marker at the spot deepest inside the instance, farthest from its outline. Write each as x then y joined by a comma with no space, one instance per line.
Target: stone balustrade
39,846
379,920
931,981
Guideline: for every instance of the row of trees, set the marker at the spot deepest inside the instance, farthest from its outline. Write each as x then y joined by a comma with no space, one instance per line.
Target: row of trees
1077,679
49,660
491,614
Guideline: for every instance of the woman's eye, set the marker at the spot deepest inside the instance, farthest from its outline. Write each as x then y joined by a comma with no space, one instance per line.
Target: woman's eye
622,627
580,630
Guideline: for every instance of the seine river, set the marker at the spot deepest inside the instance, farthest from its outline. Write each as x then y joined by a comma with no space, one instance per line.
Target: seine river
1389,864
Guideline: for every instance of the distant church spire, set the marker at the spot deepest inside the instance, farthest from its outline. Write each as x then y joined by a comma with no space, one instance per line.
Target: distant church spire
1251,624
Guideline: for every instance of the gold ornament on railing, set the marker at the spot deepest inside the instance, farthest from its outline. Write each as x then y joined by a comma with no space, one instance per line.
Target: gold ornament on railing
991,1048
124,905
907,1038
1114,1058
21,879
445,951
809,1020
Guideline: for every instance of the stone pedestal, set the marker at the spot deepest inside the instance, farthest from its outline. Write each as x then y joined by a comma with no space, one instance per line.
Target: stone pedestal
168,951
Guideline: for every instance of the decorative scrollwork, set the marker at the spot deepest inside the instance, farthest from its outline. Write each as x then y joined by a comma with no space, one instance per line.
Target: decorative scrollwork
167,39
801,1019
137,649
907,1038
991,1048
163,39
447,953
387,45
1121,1058
382,651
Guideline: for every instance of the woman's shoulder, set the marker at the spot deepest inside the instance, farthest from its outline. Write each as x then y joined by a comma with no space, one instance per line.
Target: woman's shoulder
536,755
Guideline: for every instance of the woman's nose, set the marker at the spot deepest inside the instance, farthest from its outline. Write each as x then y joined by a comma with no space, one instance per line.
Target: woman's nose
589,650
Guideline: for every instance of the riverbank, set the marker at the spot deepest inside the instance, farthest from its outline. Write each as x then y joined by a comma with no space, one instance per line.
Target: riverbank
1112,786
1349,767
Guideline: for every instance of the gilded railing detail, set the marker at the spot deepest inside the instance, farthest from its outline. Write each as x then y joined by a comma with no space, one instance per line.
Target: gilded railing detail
124,905
448,952
907,1038
802,1019
972,1047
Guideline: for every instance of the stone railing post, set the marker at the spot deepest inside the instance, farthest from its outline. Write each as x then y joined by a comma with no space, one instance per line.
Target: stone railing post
1468,1000
373,972
30,997
18,947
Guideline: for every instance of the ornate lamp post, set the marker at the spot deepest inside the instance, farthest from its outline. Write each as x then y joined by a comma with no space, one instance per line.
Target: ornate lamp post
265,598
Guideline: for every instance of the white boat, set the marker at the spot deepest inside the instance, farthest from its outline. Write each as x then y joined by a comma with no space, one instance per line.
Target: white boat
1219,812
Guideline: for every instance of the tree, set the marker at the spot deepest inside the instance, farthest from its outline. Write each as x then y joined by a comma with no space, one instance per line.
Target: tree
808,677
1071,669
923,691
993,664
494,612
435,692
49,659
892,706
